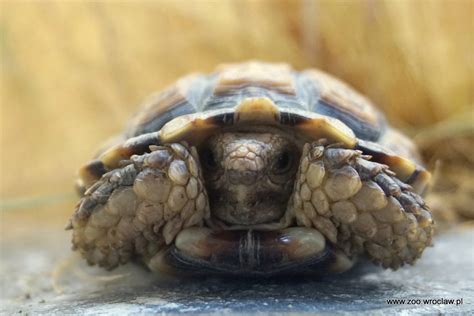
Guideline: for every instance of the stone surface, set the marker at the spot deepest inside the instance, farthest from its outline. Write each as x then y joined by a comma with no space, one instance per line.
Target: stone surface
38,276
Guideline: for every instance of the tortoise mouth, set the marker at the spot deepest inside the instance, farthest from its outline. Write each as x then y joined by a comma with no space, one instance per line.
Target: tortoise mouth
262,208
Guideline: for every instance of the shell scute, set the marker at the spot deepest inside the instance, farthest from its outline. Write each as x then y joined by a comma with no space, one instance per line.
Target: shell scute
276,77
336,99
313,103
161,107
257,109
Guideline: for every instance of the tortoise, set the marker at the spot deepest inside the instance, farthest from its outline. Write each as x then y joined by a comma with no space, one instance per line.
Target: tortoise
254,169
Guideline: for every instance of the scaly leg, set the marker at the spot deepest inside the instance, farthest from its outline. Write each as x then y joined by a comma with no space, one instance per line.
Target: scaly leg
360,206
137,209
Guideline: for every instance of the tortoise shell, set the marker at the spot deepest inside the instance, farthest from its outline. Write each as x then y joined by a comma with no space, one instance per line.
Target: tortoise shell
313,103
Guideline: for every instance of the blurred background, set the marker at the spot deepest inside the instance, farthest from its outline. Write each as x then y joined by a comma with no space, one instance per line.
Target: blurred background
73,72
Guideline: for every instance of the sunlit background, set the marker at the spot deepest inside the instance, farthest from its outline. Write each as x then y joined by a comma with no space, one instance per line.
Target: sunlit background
73,72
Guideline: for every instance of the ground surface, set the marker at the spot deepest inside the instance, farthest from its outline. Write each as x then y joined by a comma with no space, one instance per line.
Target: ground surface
38,276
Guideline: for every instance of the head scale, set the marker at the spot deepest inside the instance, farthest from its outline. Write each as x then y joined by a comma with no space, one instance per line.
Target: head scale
249,176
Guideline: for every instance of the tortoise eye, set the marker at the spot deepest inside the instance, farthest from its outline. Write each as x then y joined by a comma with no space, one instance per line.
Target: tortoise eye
208,159
283,162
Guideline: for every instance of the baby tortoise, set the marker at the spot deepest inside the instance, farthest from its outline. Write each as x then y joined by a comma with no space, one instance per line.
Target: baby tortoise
255,169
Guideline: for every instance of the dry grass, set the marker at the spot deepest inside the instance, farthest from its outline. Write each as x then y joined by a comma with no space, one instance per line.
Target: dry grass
72,72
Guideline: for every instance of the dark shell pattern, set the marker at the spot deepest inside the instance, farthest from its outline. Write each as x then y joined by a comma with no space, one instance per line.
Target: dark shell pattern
311,101
307,91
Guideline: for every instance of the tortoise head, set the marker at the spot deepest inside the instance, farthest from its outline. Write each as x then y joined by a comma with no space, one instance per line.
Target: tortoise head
249,176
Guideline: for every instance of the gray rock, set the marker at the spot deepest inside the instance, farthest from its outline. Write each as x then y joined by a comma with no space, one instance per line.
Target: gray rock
37,278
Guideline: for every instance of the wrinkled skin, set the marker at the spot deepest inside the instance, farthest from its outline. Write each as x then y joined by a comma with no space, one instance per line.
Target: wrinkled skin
249,176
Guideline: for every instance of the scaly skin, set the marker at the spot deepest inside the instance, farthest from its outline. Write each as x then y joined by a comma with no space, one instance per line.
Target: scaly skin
249,176
136,210
360,206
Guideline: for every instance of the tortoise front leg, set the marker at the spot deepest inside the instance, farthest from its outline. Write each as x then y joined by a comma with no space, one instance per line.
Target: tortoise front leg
137,210
360,206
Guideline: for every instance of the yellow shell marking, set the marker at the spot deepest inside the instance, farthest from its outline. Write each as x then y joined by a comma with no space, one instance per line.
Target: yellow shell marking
192,127
257,110
319,126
